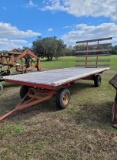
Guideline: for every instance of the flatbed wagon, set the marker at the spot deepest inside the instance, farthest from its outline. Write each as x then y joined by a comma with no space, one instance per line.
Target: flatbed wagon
40,86
43,85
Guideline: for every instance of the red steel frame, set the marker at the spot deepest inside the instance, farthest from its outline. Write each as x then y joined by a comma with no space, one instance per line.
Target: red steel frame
87,51
32,100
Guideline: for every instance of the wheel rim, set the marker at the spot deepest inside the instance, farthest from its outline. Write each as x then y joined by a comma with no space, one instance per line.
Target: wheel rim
66,99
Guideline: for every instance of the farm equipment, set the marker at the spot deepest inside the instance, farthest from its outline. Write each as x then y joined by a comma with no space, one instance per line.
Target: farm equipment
41,86
22,62
15,62
93,55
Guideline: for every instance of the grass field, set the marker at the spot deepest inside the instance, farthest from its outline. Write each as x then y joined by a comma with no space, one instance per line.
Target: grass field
83,131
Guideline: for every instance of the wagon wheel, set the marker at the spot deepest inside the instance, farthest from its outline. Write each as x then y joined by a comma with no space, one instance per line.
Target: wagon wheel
23,91
97,80
62,98
1,89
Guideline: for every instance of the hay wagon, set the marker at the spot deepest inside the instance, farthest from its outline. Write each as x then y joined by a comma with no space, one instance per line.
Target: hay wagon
40,86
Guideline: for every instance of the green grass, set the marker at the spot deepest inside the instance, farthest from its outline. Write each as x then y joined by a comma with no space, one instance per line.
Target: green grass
62,62
70,61
82,131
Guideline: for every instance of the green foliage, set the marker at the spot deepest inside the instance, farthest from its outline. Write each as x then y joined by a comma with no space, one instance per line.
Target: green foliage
114,50
69,51
3,52
48,47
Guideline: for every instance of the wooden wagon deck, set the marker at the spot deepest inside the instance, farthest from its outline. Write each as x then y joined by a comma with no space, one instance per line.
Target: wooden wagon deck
53,78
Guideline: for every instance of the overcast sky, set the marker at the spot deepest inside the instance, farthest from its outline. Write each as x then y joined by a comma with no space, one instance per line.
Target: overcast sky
22,21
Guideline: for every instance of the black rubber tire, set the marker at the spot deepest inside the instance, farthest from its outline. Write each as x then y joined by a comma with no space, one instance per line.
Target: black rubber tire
23,91
97,80
1,89
62,98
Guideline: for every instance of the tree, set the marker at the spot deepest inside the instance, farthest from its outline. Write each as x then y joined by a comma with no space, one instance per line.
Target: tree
114,50
3,52
48,47
69,51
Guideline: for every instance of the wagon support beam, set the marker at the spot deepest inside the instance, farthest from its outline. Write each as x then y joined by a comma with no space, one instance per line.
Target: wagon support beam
33,97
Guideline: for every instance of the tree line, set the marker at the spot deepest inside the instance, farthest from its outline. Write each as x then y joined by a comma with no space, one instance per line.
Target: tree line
52,47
